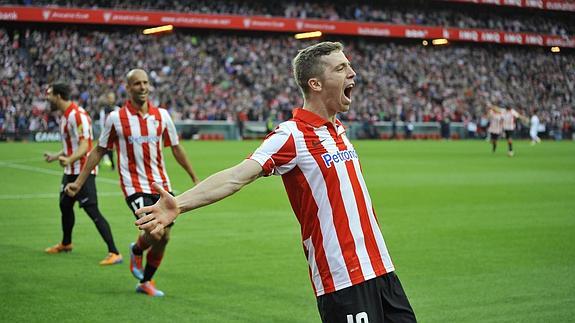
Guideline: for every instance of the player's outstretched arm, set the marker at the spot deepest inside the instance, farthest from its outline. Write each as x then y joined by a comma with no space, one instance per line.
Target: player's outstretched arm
494,108
212,189
93,159
523,118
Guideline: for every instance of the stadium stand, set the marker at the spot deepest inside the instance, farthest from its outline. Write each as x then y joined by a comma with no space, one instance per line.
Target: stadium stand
208,75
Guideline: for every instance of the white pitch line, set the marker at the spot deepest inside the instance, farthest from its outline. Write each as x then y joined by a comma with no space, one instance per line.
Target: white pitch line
9,161
57,173
52,172
46,196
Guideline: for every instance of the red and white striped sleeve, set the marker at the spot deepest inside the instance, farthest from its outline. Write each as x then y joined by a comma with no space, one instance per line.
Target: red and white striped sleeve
170,134
277,153
108,135
83,126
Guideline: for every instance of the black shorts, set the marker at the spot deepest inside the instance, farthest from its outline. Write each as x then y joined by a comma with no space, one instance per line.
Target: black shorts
509,134
380,299
494,136
139,200
87,196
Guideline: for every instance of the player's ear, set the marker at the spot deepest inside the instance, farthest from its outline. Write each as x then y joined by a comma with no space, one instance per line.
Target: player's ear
314,84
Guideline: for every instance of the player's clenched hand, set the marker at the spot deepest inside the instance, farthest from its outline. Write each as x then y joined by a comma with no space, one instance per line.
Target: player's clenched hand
50,157
64,161
153,219
72,189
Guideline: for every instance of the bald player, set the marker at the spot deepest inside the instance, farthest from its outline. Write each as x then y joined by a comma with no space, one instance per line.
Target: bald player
138,131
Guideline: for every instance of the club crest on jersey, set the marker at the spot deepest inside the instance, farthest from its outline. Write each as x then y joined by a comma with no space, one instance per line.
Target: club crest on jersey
143,139
338,157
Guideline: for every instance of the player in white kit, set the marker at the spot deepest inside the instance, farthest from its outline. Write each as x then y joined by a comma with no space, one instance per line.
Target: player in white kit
534,128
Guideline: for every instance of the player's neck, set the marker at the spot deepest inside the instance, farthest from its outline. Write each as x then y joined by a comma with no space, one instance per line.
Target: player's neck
320,109
142,108
64,105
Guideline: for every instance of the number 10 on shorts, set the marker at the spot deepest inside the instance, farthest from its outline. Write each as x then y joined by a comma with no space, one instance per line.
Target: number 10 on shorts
359,318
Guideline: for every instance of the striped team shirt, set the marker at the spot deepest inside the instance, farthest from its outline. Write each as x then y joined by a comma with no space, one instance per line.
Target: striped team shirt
139,141
75,126
495,123
322,176
508,117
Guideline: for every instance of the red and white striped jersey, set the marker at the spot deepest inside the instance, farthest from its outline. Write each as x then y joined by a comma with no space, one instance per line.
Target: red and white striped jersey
75,126
508,117
322,175
139,141
495,122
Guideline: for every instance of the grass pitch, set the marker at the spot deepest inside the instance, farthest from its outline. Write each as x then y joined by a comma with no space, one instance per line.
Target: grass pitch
475,237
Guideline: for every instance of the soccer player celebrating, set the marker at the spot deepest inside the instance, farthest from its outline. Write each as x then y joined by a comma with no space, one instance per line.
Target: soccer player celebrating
76,133
350,268
508,117
138,131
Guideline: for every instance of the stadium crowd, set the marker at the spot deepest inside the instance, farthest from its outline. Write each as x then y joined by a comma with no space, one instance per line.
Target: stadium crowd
215,76
413,12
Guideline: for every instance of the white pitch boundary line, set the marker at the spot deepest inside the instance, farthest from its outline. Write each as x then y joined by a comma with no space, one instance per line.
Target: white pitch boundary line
47,196
52,172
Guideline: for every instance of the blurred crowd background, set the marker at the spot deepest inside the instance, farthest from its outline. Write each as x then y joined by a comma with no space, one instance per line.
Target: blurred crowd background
209,75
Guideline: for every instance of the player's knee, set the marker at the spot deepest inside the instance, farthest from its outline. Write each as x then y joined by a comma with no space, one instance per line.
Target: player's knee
66,204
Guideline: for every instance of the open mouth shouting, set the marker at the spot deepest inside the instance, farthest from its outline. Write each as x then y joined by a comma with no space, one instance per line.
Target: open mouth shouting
347,93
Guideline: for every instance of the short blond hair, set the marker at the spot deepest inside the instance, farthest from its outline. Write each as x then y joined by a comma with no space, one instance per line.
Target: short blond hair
307,64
